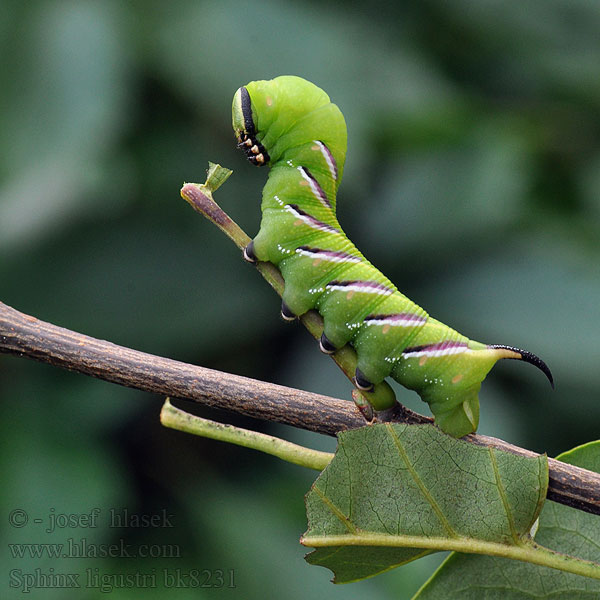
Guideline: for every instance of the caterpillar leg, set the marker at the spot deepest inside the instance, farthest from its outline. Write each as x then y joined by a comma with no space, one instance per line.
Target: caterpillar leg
248,253
363,405
286,313
381,398
326,346
361,382
448,375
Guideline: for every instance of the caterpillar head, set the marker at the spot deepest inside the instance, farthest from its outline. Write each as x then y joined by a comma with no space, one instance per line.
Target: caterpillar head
272,118
245,129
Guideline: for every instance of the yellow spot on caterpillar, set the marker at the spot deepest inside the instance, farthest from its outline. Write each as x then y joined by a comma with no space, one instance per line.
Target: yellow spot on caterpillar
269,101
298,222
385,329
303,182
260,158
350,294
316,262
457,378
422,360
315,147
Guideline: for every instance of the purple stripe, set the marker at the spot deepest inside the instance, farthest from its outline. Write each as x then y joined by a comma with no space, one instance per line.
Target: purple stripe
316,189
331,164
439,349
400,318
330,255
372,287
309,219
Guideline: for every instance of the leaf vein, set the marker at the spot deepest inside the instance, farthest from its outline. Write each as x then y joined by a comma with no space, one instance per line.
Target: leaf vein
422,487
503,498
344,519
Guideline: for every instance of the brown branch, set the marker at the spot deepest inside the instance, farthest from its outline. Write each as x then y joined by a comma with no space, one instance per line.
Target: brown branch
23,335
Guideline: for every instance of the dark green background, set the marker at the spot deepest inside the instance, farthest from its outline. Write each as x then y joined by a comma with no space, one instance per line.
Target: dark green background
472,180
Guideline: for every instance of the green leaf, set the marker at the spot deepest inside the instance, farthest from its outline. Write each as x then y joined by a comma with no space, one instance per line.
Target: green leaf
561,528
586,456
396,492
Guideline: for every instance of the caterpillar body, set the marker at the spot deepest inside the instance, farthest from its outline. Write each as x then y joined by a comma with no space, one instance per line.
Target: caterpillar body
291,125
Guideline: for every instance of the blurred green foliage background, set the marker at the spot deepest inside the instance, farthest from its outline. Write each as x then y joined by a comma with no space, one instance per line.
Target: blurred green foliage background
472,180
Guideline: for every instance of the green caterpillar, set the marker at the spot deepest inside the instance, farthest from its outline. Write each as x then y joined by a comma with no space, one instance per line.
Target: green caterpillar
290,125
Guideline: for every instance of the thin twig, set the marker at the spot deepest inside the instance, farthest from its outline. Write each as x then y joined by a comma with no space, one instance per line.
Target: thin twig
23,335
175,418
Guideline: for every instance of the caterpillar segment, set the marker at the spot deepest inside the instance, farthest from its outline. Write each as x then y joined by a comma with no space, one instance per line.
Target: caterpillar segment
290,125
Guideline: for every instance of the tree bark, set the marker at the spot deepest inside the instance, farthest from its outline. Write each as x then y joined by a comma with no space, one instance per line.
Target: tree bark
27,336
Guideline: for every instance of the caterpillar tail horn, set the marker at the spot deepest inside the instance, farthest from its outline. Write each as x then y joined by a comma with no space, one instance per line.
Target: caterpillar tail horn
524,355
